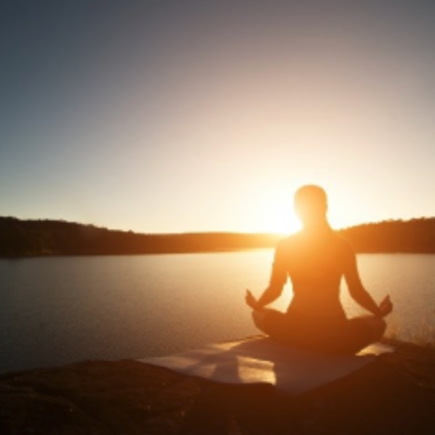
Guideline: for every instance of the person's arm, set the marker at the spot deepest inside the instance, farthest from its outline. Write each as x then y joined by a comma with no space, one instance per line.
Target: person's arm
359,293
268,296
277,280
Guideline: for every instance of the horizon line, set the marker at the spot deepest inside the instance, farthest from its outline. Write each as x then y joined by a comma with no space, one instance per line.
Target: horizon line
268,233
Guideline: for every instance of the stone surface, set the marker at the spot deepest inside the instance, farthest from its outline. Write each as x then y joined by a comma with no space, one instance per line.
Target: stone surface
395,395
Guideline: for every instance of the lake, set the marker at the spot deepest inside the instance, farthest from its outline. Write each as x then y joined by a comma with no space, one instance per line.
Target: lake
57,310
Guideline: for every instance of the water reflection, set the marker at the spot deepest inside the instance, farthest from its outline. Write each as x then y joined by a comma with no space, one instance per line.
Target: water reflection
59,310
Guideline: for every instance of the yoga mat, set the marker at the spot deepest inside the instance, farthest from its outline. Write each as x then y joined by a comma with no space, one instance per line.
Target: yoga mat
260,360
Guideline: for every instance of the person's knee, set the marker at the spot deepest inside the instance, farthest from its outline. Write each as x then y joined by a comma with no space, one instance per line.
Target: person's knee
382,326
257,317
378,326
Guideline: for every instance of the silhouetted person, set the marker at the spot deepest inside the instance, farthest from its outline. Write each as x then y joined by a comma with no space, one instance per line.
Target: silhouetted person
316,259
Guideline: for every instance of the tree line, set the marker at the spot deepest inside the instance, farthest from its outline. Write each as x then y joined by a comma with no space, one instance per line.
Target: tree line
53,237
415,235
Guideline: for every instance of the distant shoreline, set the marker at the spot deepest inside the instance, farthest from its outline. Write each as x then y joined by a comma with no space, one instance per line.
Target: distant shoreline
44,238
125,254
138,254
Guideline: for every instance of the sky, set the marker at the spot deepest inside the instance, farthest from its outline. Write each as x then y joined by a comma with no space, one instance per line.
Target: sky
190,116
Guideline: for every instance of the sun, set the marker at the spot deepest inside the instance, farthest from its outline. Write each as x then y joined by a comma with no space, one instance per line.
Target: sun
275,212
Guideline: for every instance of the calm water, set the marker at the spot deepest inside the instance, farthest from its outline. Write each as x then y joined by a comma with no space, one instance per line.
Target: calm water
59,310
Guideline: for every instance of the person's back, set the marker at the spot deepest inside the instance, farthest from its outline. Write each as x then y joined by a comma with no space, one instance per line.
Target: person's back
315,266
316,259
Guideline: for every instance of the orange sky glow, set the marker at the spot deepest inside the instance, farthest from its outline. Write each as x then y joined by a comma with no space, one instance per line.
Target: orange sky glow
208,118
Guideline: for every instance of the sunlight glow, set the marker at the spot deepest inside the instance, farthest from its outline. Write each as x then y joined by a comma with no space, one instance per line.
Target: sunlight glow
275,212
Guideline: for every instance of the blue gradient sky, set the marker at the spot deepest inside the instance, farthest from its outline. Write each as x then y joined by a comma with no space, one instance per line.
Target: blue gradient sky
170,116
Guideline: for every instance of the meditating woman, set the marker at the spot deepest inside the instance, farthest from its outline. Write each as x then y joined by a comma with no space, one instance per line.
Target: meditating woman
316,259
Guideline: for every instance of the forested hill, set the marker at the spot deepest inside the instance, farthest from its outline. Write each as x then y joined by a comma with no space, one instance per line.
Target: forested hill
48,237
415,235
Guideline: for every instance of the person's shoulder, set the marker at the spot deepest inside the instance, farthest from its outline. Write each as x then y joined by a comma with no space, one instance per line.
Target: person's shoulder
289,242
344,245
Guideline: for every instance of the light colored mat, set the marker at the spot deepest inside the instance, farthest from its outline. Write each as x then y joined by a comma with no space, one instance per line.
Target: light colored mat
260,360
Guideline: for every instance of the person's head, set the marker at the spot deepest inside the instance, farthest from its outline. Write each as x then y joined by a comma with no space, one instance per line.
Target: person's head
311,204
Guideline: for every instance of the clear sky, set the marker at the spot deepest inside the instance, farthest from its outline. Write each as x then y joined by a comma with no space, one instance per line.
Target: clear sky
174,116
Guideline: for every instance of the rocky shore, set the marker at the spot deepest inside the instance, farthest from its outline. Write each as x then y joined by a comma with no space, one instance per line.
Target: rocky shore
394,395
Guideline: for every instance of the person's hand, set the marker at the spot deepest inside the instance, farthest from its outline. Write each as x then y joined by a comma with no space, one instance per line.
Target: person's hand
250,299
386,306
